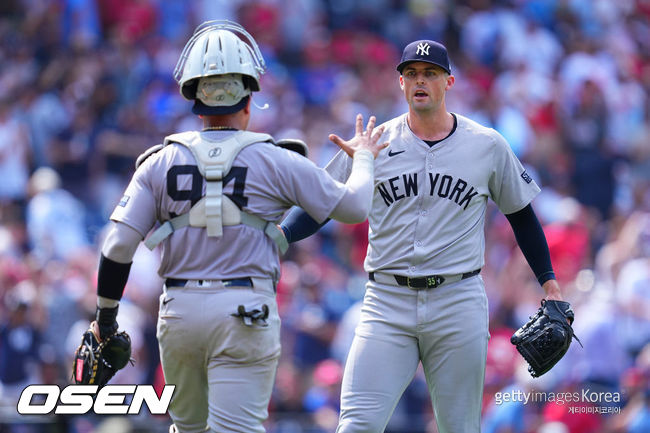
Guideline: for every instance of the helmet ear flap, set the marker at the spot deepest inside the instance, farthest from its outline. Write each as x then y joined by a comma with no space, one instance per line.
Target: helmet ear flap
188,89
250,83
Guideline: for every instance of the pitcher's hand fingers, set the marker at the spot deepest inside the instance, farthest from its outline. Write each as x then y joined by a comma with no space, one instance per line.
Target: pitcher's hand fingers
359,125
341,143
377,135
371,125
376,148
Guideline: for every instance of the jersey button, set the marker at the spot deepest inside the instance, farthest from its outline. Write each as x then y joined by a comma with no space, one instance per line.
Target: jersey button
412,269
418,243
424,213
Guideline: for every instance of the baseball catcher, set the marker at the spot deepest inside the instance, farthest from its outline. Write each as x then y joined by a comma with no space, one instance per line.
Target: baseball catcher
216,196
546,337
97,359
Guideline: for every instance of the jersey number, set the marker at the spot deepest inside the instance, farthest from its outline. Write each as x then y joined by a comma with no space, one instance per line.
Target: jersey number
195,192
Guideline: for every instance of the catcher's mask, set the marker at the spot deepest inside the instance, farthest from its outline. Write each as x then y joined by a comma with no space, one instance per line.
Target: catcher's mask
217,69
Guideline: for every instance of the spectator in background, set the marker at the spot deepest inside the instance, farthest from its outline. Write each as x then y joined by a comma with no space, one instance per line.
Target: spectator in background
633,301
14,154
19,343
70,150
55,218
313,322
584,127
635,387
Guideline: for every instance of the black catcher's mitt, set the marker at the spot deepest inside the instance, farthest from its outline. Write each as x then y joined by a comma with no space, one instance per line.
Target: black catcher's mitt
546,337
97,362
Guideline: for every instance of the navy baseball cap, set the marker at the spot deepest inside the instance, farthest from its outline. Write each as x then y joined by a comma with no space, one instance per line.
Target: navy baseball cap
425,51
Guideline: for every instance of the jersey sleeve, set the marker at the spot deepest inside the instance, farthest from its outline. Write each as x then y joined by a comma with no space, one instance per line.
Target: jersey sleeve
137,208
510,186
310,187
340,166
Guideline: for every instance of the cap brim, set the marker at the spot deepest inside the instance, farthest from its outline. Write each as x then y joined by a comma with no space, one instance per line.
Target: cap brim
402,65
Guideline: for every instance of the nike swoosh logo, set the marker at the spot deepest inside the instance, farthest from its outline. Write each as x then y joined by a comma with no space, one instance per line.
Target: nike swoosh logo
166,300
391,153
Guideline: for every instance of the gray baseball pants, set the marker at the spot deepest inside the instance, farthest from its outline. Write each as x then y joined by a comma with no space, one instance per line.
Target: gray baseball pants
223,370
445,328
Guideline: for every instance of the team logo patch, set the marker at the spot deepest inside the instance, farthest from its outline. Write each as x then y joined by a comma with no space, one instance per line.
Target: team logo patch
124,201
525,176
423,49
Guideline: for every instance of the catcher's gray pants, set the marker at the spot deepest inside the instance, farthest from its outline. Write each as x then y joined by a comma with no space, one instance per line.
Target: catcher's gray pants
223,370
446,328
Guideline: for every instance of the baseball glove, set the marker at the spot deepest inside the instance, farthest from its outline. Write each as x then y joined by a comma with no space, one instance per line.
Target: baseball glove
546,337
96,362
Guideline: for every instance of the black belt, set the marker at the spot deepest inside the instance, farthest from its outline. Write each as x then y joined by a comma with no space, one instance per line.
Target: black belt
235,282
429,282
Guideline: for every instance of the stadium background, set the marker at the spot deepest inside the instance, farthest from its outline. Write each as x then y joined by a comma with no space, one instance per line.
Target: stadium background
86,85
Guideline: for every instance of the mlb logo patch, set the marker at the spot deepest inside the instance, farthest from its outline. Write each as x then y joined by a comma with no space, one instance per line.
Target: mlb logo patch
124,201
526,177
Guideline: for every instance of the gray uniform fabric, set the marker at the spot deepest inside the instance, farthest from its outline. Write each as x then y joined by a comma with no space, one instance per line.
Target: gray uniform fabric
429,203
223,364
427,218
265,179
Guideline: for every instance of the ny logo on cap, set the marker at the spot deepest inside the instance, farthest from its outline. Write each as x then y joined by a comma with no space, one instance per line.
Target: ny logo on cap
423,49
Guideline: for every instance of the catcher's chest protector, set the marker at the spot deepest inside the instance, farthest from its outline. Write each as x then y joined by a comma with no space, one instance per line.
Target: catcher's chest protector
214,210
215,159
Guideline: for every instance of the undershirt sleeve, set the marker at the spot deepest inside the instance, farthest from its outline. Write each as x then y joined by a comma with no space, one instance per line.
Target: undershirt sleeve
298,225
532,242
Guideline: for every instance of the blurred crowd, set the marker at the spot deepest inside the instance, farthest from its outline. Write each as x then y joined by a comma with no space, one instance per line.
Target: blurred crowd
86,86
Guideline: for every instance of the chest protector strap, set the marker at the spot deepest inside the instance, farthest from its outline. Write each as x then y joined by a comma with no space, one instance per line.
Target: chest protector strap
214,210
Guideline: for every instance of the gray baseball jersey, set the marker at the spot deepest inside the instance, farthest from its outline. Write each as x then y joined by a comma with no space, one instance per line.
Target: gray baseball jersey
427,219
265,180
448,183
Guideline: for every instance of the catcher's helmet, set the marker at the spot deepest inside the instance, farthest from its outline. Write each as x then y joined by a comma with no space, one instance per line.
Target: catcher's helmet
218,69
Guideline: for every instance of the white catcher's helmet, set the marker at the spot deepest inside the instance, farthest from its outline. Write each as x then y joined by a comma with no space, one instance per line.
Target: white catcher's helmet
217,67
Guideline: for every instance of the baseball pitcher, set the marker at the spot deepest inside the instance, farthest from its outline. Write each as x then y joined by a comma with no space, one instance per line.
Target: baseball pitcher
215,196
425,300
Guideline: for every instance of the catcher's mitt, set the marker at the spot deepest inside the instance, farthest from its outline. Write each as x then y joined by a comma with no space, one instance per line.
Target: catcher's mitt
96,362
546,337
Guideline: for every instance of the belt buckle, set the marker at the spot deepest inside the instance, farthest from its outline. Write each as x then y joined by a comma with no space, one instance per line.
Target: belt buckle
408,284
